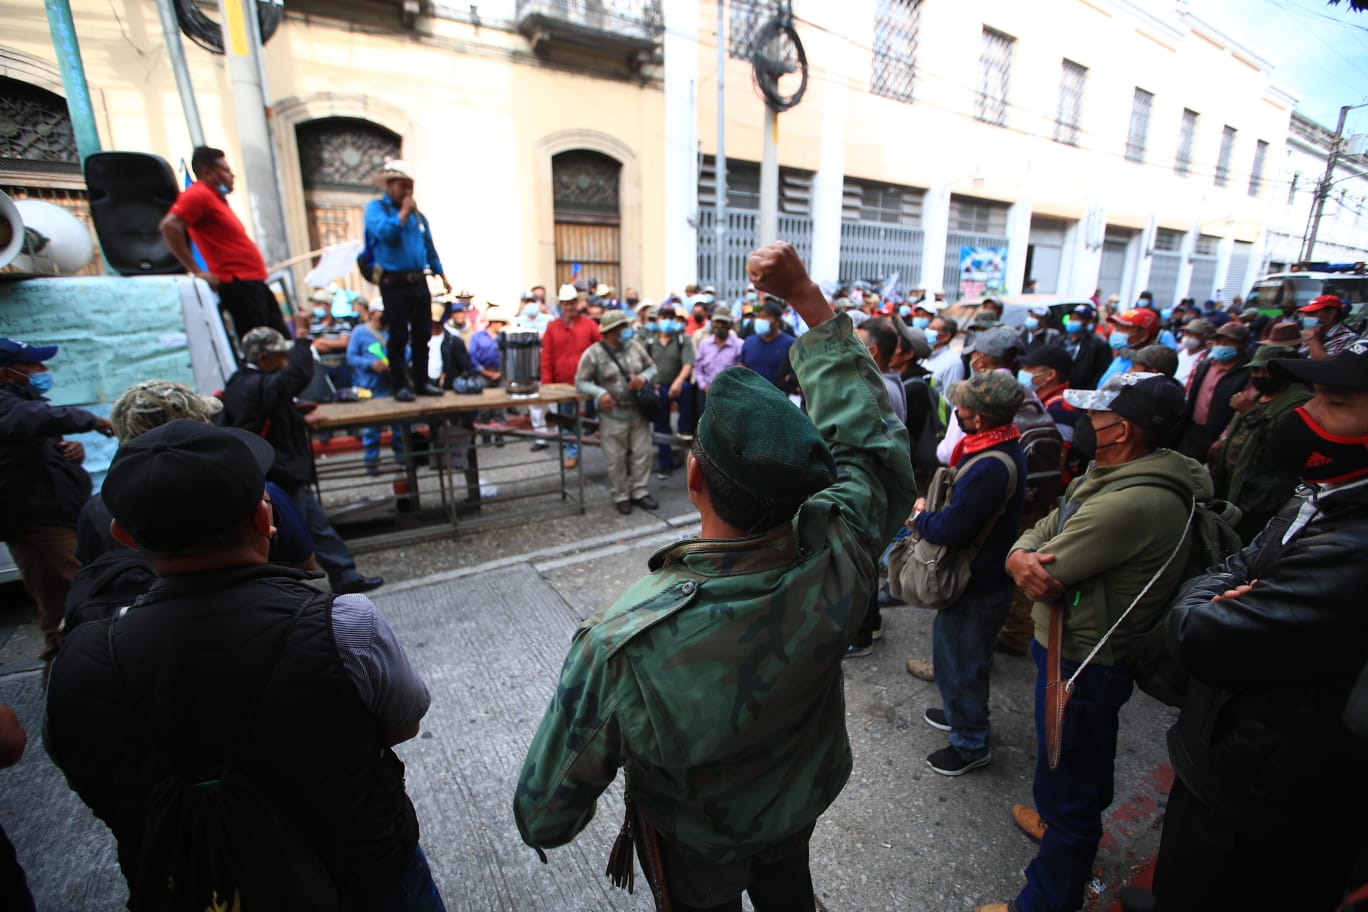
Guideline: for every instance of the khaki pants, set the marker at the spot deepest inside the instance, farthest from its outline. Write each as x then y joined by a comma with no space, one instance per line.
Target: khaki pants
627,449
46,557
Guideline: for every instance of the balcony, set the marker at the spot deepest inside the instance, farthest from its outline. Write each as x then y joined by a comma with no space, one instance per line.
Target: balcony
627,31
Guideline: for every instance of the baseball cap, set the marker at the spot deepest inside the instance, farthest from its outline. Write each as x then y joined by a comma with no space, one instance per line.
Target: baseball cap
396,169
152,403
1146,400
1266,353
1055,357
914,339
263,340
1156,358
12,351
723,313
995,342
1039,310
1347,370
1136,317
1322,302
1086,311
178,485
994,394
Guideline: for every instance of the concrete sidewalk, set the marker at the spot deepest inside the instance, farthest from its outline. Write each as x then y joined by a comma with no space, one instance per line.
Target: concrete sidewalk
490,645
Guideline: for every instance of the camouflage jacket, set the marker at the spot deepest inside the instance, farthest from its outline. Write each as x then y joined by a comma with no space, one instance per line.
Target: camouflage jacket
716,678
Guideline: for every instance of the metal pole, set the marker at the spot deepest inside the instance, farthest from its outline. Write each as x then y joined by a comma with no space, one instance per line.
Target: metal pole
720,159
769,179
1323,190
175,52
73,77
245,72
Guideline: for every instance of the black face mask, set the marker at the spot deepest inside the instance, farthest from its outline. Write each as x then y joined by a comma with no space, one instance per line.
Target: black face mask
1313,454
1268,386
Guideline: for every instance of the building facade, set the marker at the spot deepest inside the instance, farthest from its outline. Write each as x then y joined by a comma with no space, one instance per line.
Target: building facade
964,147
1343,233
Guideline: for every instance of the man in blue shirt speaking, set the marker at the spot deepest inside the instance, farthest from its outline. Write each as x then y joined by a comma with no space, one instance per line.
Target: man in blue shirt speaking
399,240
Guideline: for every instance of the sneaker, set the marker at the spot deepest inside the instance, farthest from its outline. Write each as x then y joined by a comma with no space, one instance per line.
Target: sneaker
570,462
935,717
856,651
539,444
1029,821
921,669
951,761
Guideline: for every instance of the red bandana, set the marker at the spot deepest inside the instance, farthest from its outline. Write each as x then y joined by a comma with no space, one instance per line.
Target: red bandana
974,443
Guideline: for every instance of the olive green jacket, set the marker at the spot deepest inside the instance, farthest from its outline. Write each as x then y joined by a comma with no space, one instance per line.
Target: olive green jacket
1111,546
716,678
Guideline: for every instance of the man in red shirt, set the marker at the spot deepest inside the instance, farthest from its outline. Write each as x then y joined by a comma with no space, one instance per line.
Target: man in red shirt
236,268
564,341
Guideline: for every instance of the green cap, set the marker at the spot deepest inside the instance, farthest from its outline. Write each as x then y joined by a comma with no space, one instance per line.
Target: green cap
995,394
761,441
1266,353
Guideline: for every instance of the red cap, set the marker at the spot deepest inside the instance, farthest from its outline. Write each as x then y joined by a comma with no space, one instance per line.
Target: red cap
886,308
1324,301
1137,317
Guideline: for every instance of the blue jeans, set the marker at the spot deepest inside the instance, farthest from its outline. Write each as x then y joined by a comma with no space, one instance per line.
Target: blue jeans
331,551
416,891
570,410
664,451
962,638
370,440
1071,798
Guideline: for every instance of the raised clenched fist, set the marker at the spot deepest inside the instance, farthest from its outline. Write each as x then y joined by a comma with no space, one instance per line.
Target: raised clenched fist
776,269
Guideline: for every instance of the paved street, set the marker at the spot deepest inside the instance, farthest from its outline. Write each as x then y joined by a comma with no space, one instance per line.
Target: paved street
487,619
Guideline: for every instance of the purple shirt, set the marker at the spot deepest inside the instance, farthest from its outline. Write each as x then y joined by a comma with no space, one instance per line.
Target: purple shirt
710,358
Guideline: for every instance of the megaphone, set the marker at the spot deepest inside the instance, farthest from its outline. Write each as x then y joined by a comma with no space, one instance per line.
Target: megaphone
39,237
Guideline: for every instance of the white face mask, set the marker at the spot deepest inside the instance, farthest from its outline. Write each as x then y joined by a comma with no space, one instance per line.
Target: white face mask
1191,343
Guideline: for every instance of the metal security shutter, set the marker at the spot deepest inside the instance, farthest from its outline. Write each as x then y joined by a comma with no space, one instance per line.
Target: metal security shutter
874,252
1167,262
724,265
1046,242
1202,285
1239,267
976,216
1111,275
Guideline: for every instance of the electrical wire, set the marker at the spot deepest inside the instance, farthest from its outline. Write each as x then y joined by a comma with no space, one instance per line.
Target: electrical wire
208,34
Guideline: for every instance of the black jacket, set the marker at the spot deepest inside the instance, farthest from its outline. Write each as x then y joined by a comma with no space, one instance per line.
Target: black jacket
264,404
455,359
216,667
50,489
1261,734
1195,439
1094,355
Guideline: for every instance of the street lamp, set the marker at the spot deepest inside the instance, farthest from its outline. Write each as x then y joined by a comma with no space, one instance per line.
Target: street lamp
1323,188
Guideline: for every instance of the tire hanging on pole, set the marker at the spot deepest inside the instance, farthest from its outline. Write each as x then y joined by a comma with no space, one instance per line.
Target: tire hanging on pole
766,70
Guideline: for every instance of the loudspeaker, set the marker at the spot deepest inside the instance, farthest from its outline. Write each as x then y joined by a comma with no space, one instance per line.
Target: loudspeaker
129,195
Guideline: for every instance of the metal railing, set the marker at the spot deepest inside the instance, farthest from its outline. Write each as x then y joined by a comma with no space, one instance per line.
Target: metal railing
642,19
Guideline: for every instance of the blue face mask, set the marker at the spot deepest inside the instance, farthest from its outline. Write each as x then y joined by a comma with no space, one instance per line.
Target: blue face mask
932,337
921,322
42,381
1073,327
1310,322
1025,379
904,311
627,334
224,190
749,322
320,313
653,326
1032,323
1224,352
1166,313
1118,341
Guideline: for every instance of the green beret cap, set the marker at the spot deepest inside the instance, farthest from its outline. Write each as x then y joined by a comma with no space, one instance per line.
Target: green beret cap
760,440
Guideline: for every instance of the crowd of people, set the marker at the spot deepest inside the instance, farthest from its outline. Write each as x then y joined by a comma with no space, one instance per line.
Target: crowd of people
1082,449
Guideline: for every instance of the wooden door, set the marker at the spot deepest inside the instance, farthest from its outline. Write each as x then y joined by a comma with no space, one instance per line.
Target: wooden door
588,232
596,248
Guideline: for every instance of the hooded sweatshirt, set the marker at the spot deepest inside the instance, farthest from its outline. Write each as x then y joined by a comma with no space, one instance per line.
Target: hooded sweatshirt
1112,543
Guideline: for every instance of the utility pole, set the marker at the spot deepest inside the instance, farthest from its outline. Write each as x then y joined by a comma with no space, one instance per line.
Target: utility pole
175,52
1323,189
720,159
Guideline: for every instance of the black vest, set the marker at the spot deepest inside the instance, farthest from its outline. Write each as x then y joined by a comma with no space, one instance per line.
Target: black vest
192,679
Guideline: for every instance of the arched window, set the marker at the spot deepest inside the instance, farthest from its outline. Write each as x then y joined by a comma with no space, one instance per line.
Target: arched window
338,157
588,217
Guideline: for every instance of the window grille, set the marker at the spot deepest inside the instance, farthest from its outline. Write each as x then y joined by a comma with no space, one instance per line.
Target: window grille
1187,132
1256,171
1069,117
1167,239
896,24
995,76
747,18
1139,125
1205,245
1223,160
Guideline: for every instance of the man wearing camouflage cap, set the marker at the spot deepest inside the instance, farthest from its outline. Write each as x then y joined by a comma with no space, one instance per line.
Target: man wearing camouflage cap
716,679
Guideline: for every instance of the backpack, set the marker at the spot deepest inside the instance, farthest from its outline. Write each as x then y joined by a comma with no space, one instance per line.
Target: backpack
1044,448
934,576
107,585
1212,529
922,400
212,839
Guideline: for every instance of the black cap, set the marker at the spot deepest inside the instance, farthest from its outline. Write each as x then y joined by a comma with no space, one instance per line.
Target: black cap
176,485
1156,403
1052,356
1347,370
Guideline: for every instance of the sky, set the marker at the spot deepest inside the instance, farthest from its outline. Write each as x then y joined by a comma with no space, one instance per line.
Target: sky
1319,52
